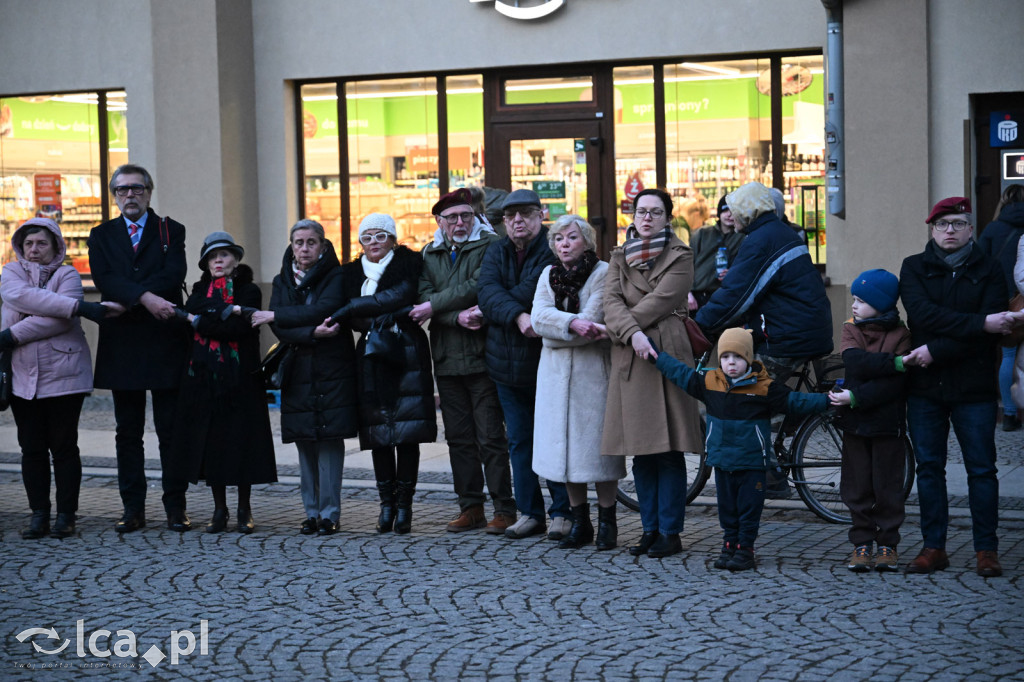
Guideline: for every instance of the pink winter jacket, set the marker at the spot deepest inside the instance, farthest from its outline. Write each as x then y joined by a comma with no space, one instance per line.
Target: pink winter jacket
52,357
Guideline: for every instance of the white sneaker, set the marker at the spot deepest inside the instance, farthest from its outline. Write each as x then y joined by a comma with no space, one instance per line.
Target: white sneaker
560,527
524,528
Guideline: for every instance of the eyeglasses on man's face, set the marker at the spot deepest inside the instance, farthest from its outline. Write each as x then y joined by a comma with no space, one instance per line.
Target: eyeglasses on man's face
125,190
526,213
654,212
453,218
379,237
943,225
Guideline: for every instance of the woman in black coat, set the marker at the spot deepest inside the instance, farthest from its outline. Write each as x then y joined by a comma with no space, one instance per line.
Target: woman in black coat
396,397
318,393
222,432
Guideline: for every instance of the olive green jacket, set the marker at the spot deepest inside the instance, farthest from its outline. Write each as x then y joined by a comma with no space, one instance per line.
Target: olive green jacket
456,351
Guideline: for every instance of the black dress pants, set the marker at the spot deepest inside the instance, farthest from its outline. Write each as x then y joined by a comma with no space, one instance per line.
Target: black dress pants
130,414
49,426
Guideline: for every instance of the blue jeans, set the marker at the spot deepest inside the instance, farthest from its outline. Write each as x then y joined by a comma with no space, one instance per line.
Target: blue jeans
974,425
661,491
517,402
1006,380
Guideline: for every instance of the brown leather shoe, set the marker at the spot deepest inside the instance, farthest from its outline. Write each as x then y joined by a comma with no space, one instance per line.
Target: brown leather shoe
470,519
928,561
499,524
988,564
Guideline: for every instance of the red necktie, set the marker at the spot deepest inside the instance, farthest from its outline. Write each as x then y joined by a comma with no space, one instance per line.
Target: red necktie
134,235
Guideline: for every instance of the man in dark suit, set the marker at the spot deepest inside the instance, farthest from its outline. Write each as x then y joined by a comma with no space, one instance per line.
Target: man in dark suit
138,260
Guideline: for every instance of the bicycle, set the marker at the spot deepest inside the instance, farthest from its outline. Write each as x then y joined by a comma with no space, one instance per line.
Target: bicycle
812,462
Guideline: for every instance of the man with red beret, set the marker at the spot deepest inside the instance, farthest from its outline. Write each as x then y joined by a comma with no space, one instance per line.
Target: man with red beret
473,421
955,298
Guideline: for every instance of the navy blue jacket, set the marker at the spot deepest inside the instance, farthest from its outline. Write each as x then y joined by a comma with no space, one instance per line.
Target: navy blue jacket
773,287
504,293
999,241
739,436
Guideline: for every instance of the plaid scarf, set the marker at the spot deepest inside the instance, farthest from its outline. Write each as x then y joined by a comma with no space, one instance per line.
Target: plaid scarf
567,282
641,253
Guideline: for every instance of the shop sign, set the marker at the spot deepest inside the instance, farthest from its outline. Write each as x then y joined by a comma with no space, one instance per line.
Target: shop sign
535,10
1013,165
633,187
549,189
48,198
1004,128
556,210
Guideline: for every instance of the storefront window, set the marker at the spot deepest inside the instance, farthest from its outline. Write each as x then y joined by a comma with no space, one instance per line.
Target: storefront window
803,125
465,130
549,90
635,150
321,158
50,164
393,154
717,134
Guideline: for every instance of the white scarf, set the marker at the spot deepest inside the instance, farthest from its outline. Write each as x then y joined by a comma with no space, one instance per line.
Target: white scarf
373,272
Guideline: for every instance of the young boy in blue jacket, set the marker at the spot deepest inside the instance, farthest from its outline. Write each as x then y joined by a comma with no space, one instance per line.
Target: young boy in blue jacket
740,397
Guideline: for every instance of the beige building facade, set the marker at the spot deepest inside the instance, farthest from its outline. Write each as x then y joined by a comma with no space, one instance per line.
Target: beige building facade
215,107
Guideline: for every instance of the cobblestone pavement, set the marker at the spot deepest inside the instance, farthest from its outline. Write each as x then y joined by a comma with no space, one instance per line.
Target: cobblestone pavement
436,605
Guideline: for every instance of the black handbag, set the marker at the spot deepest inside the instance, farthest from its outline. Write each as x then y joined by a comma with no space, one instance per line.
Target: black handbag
383,344
275,365
6,380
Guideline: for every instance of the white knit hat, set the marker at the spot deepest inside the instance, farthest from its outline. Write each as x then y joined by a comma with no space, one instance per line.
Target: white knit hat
378,221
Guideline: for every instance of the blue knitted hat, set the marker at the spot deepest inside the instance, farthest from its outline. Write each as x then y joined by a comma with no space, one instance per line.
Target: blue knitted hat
878,288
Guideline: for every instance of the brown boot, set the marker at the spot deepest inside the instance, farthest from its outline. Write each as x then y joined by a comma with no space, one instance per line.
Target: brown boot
928,561
988,564
469,519
499,524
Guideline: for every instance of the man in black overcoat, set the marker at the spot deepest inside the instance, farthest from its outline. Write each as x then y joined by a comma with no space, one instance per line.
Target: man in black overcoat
138,260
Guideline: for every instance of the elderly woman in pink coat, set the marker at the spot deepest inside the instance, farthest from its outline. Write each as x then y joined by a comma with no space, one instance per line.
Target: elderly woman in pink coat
51,367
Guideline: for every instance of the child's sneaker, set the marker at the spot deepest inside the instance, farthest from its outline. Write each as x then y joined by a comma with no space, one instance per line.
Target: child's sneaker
886,559
722,562
861,561
742,559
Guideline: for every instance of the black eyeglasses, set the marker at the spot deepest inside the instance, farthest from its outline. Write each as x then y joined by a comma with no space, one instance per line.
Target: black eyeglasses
125,190
957,225
453,218
654,212
376,237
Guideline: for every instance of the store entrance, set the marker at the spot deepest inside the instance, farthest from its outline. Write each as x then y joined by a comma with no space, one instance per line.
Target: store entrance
562,161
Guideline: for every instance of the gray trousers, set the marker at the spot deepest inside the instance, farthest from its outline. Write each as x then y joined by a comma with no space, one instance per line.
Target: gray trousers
321,464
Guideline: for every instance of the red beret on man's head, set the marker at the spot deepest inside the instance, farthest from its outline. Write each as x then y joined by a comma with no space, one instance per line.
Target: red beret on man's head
460,197
949,206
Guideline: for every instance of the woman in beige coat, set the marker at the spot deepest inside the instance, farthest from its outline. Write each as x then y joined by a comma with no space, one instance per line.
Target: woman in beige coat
646,416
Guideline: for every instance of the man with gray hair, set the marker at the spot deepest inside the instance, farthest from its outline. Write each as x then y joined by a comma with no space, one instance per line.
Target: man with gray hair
138,260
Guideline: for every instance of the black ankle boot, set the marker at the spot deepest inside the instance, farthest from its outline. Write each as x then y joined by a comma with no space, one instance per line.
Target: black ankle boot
582,531
404,490
64,526
386,520
38,525
646,540
246,524
607,528
666,545
219,521
722,562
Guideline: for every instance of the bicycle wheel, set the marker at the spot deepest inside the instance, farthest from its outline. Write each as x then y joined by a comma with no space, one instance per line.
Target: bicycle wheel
697,473
817,459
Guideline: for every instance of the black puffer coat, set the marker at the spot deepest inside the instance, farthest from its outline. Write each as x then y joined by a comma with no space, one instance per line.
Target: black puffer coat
318,398
505,292
946,310
396,404
222,427
999,240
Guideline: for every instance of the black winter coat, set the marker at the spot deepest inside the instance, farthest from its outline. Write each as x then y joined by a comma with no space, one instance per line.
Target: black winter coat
318,398
946,311
999,241
396,404
222,426
136,351
505,292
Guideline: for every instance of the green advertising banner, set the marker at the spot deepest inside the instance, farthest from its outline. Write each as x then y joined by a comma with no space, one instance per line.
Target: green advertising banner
50,120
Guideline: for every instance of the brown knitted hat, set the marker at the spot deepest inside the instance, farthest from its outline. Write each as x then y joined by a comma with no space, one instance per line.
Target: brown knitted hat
738,341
